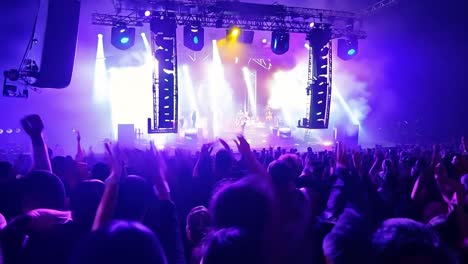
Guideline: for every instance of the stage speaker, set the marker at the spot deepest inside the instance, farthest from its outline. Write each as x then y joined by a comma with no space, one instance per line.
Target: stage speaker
126,134
59,44
348,135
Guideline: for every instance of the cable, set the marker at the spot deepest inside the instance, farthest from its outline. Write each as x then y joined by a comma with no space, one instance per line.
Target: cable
31,40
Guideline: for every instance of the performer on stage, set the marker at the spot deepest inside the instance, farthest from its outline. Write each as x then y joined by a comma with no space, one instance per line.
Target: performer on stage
194,119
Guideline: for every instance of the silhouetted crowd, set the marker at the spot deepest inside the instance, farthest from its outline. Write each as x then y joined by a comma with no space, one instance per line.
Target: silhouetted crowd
406,204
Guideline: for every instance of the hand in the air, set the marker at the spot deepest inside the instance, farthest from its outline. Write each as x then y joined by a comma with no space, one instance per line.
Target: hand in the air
32,125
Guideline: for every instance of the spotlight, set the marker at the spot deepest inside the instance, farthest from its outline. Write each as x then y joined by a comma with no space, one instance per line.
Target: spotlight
147,13
234,32
194,37
242,36
124,40
347,48
18,130
312,24
264,41
99,36
9,131
279,42
122,37
1,131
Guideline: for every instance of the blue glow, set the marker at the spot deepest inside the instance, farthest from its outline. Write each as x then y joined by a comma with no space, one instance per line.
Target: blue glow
196,40
124,40
351,52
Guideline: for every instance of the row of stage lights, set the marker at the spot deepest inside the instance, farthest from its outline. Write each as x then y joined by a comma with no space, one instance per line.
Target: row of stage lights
10,131
123,38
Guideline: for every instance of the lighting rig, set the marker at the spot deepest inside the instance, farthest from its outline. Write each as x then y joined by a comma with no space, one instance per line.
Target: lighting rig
319,25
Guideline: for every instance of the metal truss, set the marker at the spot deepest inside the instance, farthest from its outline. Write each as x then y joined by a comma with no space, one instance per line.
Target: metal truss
372,9
221,14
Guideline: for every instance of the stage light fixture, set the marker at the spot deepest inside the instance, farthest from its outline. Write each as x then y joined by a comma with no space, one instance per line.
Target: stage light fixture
264,41
194,37
347,48
123,37
242,36
234,32
147,13
279,42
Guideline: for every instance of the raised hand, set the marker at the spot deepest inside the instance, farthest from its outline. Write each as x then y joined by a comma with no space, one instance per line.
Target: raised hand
464,143
357,160
116,163
379,155
80,155
158,167
106,208
206,150
78,135
243,146
225,144
341,155
32,125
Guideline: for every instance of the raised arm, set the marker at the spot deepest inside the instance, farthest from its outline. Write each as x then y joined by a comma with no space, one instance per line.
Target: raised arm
203,164
106,209
158,170
33,126
377,166
253,164
79,151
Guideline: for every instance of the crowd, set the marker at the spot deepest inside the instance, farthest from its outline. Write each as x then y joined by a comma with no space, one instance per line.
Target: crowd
382,205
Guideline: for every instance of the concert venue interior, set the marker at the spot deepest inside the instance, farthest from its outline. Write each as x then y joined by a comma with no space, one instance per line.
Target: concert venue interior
397,85
233,131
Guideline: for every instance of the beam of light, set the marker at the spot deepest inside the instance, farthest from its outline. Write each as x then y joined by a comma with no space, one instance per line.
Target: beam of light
188,84
147,45
131,91
217,76
347,108
250,90
100,89
287,93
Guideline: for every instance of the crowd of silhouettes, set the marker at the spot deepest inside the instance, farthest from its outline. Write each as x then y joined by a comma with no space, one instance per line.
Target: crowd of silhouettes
406,204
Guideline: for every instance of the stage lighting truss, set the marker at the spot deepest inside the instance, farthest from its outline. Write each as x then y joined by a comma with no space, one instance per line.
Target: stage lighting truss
245,16
219,15
165,86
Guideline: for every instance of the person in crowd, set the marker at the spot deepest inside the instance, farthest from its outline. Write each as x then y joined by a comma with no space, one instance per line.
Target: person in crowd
405,204
120,242
198,226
